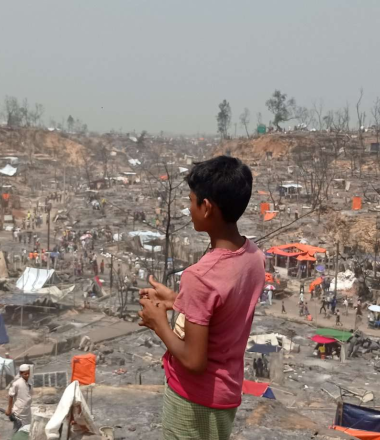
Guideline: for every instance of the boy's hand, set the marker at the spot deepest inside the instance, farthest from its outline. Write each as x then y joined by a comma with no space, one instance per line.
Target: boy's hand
153,315
159,293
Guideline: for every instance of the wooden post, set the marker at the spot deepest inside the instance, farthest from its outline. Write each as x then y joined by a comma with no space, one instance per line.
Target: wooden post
336,268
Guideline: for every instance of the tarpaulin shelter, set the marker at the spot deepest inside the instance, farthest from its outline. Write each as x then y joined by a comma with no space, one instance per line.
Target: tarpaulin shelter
358,421
264,207
83,368
295,256
357,203
34,279
268,216
4,339
258,389
264,349
322,339
315,283
333,333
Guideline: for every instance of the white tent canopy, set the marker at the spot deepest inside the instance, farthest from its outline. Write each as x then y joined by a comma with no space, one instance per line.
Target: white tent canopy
374,308
34,279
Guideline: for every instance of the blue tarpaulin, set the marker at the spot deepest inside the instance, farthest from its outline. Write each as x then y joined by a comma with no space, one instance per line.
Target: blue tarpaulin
4,339
358,417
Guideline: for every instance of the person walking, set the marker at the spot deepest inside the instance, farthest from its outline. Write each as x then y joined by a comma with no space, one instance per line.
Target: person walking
20,399
345,304
337,315
323,306
283,307
102,267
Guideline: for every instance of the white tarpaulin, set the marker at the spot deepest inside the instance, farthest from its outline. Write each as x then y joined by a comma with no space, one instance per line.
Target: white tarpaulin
8,170
347,283
183,170
34,279
134,162
8,366
73,399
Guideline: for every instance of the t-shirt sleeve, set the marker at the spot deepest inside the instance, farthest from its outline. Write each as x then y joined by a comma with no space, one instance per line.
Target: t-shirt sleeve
196,300
13,390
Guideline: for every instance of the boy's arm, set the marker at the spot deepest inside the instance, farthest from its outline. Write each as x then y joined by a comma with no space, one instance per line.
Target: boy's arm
191,352
8,412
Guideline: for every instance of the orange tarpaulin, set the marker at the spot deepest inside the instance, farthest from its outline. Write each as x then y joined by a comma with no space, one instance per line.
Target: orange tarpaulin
306,257
164,177
83,369
358,433
357,203
264,207
315,283
262,193
268,216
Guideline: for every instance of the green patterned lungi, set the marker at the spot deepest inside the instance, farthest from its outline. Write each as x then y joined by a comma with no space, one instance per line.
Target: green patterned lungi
185,420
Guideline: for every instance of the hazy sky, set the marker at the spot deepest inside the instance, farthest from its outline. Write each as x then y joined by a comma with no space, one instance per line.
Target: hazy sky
166,64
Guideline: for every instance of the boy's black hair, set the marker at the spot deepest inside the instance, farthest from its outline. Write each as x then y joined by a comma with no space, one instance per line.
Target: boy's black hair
224,180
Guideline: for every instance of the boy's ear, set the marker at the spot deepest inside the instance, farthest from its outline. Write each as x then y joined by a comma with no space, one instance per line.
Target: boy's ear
208,207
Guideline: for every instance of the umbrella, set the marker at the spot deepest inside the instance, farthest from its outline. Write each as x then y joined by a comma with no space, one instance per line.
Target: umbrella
374,308
269,287
322,339
320,268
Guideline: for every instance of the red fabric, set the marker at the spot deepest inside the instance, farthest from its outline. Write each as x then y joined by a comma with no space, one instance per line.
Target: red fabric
264,207
356,203
98,282
5,197
269,216
221,292
315,283
83,369
358,433
322,339
254,388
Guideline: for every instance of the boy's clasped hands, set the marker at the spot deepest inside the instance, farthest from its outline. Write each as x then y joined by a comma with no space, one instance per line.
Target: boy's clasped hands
155,302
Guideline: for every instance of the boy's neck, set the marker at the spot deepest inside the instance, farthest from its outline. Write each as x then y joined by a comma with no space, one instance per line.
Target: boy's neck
226,236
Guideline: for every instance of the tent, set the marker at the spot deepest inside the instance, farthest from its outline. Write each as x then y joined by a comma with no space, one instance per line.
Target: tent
34,279
374,308
333,333
258,389
7,366
365,421
264,348
83,369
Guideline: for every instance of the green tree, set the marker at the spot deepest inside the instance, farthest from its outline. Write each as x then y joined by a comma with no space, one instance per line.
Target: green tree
70,123
224,118
282,108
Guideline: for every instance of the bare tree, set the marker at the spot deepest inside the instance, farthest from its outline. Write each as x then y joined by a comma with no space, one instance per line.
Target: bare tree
361,121
375,110
318,110
245,119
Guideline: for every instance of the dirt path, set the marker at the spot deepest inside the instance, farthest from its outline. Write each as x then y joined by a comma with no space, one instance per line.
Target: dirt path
319,320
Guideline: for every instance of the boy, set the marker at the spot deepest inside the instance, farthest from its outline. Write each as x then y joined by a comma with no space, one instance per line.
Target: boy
204,363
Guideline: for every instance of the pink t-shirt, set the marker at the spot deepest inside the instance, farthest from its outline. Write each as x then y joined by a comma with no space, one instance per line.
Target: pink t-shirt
220,291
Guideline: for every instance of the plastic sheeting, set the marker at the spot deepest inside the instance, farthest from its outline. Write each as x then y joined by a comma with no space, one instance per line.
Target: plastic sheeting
4,339
83,369
347,282
358,417
8,170
258,389
34,279
8,366
71,398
